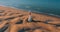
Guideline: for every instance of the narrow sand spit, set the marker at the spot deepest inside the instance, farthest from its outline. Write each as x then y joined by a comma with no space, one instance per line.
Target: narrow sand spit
42,23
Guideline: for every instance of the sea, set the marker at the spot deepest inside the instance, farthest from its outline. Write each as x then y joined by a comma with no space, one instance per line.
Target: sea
37,9
49,7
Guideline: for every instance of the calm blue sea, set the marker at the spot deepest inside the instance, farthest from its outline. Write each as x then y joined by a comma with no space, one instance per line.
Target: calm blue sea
50,7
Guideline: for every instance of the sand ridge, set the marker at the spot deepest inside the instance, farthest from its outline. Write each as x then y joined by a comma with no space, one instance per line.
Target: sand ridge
44,23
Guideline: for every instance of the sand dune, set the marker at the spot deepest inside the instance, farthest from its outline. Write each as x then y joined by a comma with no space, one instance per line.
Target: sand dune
43,23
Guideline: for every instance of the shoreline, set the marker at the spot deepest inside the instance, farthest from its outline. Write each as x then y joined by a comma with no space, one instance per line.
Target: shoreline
41,16
53,15
14,16
48,14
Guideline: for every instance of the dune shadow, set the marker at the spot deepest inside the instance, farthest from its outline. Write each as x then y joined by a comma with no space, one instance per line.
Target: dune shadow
4,28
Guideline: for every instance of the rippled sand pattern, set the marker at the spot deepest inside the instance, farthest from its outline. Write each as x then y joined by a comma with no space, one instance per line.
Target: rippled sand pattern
17,21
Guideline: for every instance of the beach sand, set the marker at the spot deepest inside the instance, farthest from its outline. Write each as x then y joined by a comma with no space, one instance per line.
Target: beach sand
42,22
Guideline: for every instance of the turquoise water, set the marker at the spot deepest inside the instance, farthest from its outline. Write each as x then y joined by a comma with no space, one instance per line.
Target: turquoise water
50,7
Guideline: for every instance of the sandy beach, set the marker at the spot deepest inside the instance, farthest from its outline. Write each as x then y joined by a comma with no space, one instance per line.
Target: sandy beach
43,23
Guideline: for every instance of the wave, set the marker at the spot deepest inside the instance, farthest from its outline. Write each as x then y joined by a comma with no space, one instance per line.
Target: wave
46,13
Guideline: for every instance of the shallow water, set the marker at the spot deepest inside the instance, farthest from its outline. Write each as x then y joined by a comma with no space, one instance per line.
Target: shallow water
51,7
